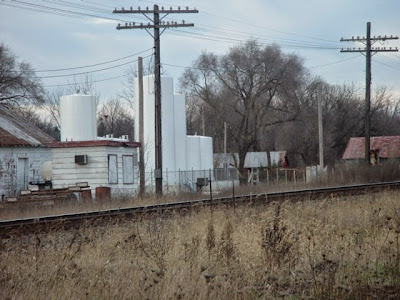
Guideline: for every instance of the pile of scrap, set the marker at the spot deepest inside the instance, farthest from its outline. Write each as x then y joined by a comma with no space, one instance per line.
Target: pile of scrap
49,196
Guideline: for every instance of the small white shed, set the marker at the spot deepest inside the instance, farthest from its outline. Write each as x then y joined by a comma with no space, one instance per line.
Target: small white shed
100,163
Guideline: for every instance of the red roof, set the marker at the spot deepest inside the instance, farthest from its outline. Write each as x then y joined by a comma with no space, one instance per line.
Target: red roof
388,146
15,131
97,143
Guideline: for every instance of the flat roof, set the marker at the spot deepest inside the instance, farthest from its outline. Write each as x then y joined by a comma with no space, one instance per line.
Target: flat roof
97,143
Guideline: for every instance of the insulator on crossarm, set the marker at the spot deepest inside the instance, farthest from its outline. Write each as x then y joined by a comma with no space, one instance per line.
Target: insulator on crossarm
170,8
187,7
183,21
139,8
123,9
131,8
179,8
162,7
147,8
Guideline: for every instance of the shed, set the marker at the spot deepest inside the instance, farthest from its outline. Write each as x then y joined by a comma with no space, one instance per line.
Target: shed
252,160
100,163
385,147
23,150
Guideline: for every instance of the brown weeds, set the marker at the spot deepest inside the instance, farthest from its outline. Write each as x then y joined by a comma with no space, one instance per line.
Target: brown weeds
332,249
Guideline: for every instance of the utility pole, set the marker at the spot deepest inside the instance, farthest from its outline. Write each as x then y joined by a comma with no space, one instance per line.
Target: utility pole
156,23
141,135
368,50
225,141
320,131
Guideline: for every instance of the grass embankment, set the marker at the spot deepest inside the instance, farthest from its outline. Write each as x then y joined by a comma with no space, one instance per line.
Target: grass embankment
339,249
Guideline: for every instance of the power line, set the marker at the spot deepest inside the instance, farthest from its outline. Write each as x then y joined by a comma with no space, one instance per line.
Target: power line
93,65
52,10
88,72
227,39
93,81
334,63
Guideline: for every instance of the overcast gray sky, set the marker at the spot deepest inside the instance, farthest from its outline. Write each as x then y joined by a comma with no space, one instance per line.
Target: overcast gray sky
62,34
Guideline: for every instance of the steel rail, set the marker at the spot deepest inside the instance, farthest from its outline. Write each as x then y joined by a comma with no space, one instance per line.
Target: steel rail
65,221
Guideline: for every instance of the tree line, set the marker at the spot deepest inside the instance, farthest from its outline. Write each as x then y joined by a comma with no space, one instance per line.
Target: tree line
267,98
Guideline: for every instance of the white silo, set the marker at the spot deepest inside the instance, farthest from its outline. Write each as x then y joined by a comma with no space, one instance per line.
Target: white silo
167,122
206,153
180,132
78,118
193,152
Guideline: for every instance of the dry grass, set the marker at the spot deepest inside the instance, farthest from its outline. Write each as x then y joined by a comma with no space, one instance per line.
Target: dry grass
332,249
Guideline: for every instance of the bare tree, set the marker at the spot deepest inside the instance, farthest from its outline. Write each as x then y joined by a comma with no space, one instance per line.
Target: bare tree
113,118
18,81
250,88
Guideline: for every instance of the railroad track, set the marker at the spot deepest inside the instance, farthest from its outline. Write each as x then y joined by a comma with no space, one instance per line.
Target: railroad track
74,220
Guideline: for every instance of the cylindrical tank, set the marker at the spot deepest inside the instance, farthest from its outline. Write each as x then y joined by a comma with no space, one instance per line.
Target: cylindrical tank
206,152
78,118
167,122
180,132
193,152
46,171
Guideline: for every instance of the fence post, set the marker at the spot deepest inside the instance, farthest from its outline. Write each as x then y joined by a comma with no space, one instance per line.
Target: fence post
166,173
192,180
277,175
179,180
209,171
286,175
151,179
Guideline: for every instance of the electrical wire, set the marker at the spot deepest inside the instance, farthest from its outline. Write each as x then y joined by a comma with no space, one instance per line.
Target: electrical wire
92,81
93,65
93,71
336,62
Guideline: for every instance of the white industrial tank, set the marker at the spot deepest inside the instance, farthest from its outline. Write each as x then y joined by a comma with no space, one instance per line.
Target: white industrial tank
193,152
78,118
46,170
206,153
180,132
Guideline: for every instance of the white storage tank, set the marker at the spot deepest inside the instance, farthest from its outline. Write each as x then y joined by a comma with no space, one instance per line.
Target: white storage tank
180,132
193,152
206,153
167,122
78,118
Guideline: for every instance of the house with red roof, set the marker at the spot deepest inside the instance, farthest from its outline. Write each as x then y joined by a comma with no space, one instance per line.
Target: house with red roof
382,148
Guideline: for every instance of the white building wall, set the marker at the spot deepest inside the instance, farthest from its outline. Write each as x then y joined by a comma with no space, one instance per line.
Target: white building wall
66,172
35,156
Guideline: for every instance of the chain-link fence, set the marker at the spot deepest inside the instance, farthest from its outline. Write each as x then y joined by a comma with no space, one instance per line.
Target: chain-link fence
192,180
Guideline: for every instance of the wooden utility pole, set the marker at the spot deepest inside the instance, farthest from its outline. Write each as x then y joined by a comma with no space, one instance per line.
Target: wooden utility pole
369,41
141,135
320,130
156,24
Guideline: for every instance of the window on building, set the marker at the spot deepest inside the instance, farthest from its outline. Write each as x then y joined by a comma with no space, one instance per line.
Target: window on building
112,169
127,166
